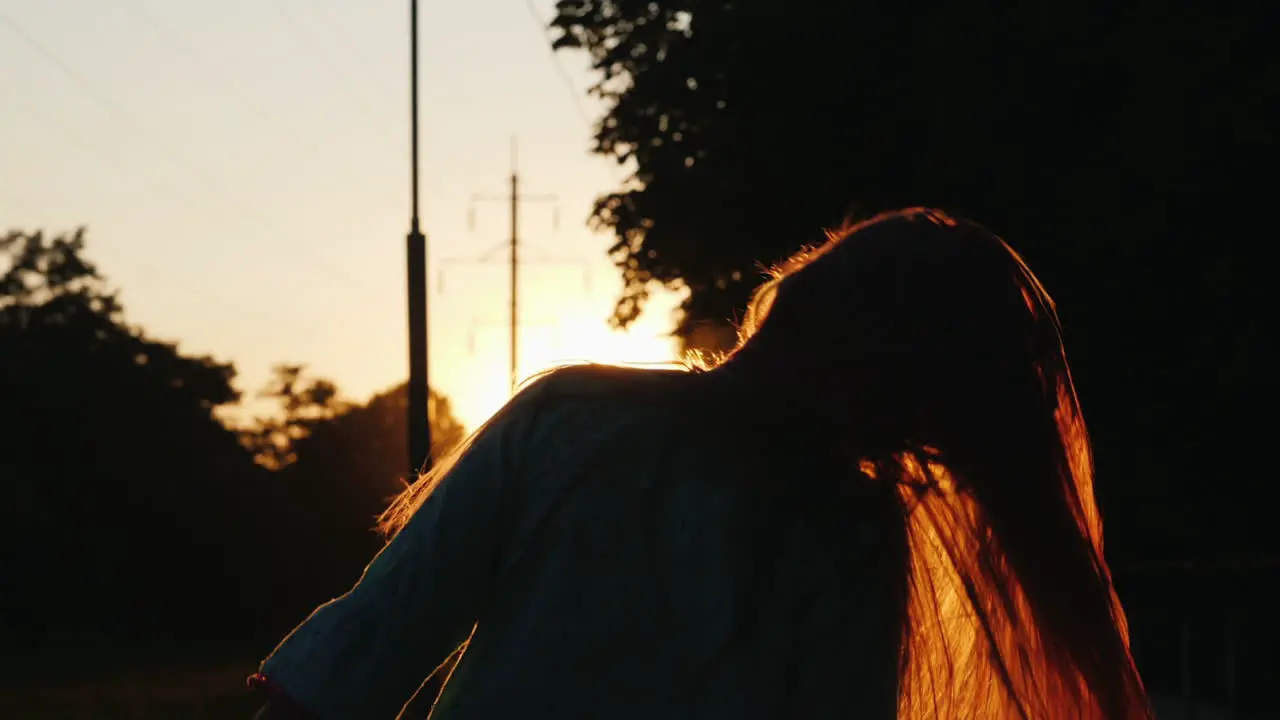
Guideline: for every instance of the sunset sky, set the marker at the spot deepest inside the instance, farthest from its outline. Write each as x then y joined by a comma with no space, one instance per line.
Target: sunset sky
242,169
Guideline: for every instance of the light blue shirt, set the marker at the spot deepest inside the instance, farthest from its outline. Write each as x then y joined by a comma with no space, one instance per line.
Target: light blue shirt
615,560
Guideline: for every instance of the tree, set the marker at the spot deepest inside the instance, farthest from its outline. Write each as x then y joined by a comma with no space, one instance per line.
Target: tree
337,464
303,403
120,484
1114,152
134,520
307,405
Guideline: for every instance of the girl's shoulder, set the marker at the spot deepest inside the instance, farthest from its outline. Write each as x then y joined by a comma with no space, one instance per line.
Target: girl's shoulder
591,401
617,390
597,378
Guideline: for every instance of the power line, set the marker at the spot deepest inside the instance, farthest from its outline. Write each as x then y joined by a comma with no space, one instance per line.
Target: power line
47,121
158,29
574,94
226,302
216,299
232,90
219,299
307,38
322,14
128,119
236,92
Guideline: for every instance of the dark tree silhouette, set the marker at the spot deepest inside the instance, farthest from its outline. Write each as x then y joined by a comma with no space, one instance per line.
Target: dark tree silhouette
307,405
1122,156
304,403
119,480
135,523
337,465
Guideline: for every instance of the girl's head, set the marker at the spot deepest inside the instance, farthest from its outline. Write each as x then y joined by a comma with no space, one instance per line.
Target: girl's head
929,356
911,322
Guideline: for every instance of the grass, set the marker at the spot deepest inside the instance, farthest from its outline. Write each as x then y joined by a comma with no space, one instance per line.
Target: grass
217,692
211,692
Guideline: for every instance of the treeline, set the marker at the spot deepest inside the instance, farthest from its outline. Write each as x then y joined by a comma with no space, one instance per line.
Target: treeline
134,523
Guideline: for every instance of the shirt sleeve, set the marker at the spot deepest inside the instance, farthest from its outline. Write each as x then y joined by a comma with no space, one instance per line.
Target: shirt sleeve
364,654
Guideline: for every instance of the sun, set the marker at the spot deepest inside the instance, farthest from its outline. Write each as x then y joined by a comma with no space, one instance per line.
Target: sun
484,386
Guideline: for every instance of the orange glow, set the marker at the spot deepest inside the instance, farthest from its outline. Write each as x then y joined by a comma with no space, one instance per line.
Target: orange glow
950,645
974,647
485,388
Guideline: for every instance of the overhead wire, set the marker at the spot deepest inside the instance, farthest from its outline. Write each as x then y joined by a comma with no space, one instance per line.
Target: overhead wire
574,93
321,13
50,121
127,118
159,30
236,92
185,286
306,38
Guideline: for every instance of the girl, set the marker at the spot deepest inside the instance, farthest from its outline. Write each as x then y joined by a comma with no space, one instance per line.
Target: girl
880,505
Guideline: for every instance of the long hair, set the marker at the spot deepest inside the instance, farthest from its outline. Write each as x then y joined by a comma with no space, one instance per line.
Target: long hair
932,358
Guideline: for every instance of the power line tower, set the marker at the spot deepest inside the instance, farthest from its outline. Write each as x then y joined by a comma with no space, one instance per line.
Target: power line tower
421,704
513,199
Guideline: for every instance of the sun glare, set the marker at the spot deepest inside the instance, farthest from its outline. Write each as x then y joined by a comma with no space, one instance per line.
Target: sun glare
485,388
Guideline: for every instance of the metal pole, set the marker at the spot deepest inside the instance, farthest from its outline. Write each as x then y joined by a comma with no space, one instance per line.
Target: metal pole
418,423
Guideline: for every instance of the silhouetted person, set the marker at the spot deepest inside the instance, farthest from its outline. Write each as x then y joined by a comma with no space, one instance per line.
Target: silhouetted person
880,505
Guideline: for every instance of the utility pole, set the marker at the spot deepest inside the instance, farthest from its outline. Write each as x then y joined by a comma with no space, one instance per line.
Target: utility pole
418,422
514,198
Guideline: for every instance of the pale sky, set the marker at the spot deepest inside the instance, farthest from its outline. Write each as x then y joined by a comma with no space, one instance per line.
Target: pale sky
242,169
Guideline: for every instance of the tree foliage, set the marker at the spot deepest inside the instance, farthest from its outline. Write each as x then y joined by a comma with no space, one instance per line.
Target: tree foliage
341,463
111,454
307,406
134,521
